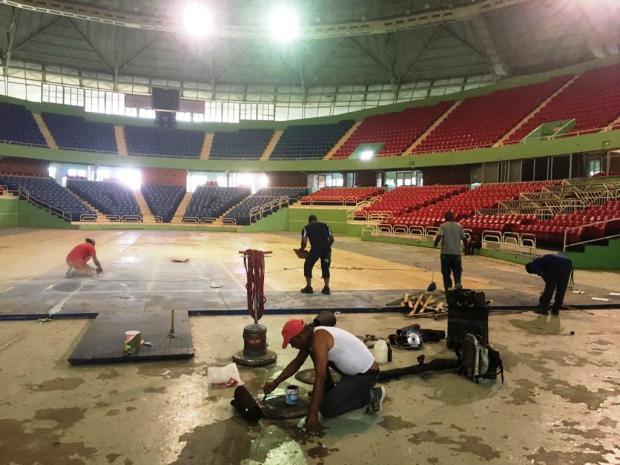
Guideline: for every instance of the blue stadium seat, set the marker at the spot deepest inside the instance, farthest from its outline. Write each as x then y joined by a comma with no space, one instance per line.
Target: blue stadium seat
244,144
74,132
241,213
18,125
213,201
163,200
163,142
48,191
110,198
309,141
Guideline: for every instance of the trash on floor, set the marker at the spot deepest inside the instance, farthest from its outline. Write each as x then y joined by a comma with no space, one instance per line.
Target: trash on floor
226,376
180,260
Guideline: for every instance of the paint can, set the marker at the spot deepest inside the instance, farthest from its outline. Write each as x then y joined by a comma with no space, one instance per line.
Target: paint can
292,394
132,342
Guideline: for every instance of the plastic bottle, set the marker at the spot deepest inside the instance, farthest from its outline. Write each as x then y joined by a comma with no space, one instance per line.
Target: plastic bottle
380,351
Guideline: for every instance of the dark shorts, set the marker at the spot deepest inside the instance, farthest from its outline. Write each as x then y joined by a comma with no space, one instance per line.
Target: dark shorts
313,257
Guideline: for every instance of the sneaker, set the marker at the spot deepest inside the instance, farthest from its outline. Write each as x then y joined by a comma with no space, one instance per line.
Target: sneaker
555,311
458,286
326,291
541,311
375,404
307,290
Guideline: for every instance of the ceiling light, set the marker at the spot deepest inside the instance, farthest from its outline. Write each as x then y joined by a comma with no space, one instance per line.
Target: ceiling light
197,20
284,24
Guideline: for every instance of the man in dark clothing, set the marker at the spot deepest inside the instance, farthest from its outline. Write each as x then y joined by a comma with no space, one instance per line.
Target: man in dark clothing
556,270
474,243
321,240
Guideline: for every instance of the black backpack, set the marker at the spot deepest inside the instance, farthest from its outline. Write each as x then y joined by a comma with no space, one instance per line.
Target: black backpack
478,360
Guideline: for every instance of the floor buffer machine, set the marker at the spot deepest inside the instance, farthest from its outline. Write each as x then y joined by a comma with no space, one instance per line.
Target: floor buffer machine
255,351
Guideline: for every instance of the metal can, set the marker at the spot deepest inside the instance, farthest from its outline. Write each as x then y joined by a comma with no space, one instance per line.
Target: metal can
292,395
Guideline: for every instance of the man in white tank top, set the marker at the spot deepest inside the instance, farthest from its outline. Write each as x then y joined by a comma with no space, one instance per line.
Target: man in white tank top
330,346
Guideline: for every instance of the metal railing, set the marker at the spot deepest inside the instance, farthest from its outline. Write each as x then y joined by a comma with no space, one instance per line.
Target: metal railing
566,245
88,217
25,194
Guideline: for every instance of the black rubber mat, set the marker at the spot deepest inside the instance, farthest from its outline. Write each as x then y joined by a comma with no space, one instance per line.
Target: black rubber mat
103,341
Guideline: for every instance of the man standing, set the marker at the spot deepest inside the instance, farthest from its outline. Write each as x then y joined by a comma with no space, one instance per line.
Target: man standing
451,234
556,271
346,354
321,240
78,260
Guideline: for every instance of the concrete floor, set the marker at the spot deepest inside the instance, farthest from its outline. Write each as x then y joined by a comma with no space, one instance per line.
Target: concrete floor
560,404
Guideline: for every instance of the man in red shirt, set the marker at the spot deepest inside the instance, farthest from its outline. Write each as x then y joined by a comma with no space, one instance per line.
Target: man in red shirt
78,260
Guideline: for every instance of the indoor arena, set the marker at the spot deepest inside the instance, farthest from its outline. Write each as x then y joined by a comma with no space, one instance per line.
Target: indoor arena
309,232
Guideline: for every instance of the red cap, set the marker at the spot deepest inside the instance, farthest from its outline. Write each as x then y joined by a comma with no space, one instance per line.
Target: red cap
291,329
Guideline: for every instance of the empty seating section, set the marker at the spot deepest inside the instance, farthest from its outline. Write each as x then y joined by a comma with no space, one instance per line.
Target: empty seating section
397,131
210,202
111,198
163,142
465,204
163,200
74,132
268,198
341,195
18,125
593,100
550,232
309,141
482,121
404,199
243,144
48,191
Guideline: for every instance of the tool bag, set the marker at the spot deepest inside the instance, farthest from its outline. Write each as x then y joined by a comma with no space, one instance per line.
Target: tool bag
468,312
478,360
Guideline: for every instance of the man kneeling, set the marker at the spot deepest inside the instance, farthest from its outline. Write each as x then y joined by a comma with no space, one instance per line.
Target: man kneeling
78,258
346,354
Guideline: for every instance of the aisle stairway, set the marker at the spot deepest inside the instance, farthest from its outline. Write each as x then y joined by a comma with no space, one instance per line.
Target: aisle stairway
180,213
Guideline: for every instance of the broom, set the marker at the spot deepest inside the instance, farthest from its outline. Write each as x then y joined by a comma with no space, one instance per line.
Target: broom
432,286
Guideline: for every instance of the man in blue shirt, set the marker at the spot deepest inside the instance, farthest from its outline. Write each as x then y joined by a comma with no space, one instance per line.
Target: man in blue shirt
556,271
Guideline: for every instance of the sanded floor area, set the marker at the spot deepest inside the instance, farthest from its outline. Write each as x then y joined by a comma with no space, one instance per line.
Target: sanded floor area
141,276
560,404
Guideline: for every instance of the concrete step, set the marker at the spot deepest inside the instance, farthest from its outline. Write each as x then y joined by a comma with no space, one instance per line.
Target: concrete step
207,143
47,134
182,208
271,145
121,144
431,128
542,105
145,211
342,140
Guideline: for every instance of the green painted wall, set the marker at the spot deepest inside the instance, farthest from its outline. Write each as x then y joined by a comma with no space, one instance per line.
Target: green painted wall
597,257
9,212
275,222
335,218
31,216
155,227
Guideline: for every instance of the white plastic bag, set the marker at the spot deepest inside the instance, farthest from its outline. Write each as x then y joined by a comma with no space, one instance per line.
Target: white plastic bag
226,376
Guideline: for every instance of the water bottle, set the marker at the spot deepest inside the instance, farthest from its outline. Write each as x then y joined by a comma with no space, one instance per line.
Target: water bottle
381,351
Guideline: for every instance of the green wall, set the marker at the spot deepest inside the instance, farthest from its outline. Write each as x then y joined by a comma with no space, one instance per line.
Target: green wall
14,212
597,257
9,212
277,221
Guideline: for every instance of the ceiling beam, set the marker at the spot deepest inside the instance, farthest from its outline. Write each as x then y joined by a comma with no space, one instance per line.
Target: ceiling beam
421,53
89,42
481,32
35,34
466,43
11,33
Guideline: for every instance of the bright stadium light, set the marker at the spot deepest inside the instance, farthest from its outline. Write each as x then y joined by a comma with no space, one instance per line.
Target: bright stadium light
197,20
367,155
284,24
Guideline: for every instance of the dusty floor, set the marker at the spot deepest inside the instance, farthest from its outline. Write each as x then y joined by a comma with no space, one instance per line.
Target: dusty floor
140,276
560,404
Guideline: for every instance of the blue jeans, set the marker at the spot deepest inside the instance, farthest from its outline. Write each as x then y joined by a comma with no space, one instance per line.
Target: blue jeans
451,264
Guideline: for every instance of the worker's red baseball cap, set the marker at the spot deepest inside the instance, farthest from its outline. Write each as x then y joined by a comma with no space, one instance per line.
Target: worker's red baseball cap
291,329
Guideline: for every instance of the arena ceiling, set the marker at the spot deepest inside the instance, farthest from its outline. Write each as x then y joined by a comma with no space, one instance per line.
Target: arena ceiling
343,42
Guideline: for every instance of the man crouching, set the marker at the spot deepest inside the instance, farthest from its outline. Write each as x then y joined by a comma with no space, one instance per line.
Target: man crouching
335,347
